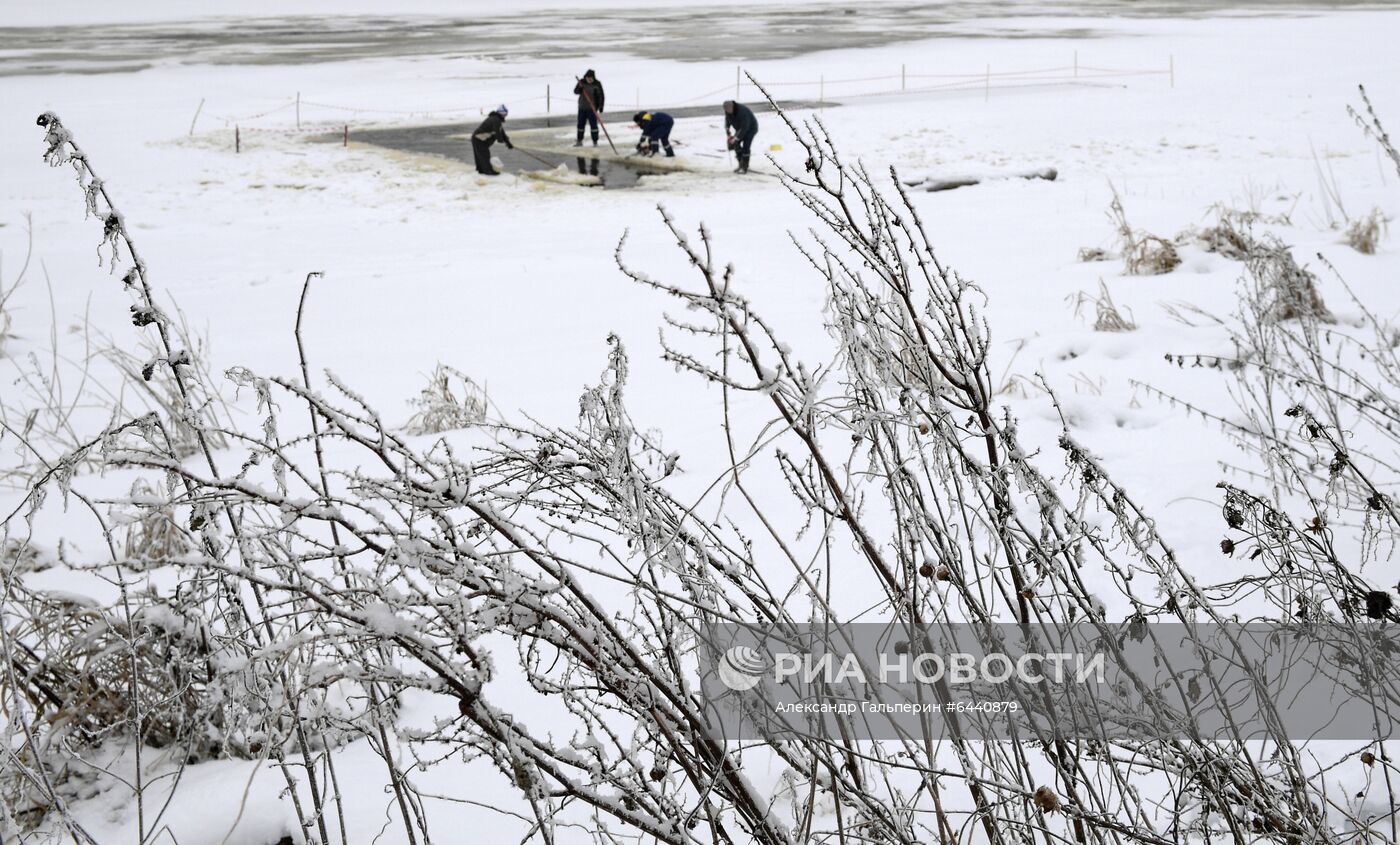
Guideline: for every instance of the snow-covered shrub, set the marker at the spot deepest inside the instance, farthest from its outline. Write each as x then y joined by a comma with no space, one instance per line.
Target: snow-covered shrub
1230,236
152,538
1143,254
561,558
451,400
87,670
1364,235
207,672
1315,404
1286,290
21,558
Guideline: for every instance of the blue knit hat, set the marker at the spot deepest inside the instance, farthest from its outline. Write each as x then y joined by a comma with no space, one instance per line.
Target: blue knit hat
501,109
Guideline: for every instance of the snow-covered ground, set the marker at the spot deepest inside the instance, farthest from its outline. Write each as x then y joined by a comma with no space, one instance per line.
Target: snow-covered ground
513,280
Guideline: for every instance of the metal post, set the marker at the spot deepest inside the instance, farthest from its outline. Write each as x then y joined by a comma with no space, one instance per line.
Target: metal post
298,109
546,105
901,77
1076,64
345,138
237,140
1171,69
987,91
737,71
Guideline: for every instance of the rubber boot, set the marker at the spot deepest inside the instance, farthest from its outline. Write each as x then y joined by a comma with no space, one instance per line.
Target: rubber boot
579,141
595,139
670,153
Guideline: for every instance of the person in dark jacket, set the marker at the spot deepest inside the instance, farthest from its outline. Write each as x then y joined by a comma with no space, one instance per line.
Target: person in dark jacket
741,126
491,130
590,105
656,132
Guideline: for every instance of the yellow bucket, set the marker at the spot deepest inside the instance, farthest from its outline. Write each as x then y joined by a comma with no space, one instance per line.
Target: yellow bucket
775,147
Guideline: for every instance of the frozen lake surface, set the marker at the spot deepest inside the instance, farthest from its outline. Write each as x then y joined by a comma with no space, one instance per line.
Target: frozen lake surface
700,33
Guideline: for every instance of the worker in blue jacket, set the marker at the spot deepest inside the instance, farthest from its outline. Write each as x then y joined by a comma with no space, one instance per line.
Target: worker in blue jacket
656,132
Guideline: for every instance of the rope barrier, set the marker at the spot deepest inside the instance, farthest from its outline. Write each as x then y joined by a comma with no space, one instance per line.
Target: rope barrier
285,105
986,80
707,94
306,130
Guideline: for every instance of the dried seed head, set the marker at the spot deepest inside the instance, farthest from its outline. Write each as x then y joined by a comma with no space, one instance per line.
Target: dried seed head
923,428
1227,546
944,574
1047,800
1368,758
926,570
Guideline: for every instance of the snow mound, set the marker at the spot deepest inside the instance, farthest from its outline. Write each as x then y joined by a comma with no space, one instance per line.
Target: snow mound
562,175
949,181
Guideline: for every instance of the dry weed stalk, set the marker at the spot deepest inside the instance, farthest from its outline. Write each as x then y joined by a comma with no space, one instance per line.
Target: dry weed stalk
7,290
1143,254
1371,125
1364,235
1108,317
451,400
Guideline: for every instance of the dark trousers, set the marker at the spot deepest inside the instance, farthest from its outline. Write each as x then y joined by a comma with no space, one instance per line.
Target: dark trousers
661,137
589,117
743,144
481,151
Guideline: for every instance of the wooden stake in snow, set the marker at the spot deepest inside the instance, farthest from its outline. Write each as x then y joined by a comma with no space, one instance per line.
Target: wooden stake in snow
196,115
298,109
237,141
1171,70
987,90
345,136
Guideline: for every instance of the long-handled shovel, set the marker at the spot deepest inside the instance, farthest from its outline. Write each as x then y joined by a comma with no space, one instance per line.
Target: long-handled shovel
536,158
